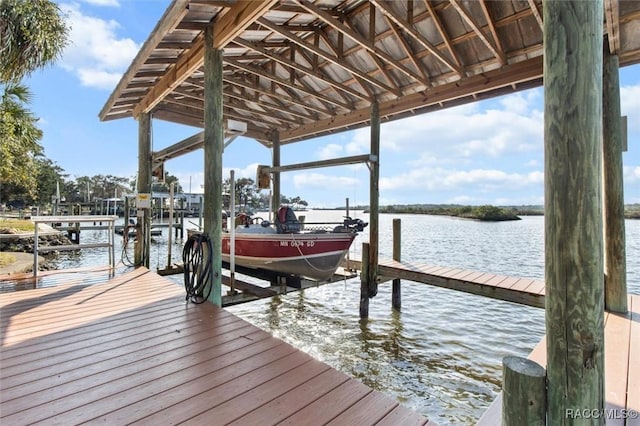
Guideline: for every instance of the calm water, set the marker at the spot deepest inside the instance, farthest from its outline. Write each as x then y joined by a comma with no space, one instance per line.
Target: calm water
442,354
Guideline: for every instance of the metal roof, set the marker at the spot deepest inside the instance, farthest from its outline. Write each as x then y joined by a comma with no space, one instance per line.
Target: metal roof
313,67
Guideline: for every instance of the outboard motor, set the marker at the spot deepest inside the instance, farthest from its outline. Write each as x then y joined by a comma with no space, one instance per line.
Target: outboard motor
350,225
286,221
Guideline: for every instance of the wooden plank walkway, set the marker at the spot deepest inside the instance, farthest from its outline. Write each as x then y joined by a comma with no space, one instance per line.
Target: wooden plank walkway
130,350
622,369
525,291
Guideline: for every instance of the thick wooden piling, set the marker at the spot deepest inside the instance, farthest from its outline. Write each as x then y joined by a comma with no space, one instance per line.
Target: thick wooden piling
374,199
142,247
364,283
396,297
275,201
524,392
615,294
574,267
213,146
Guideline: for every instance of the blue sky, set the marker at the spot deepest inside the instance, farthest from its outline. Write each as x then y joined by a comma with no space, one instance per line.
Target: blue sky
490,152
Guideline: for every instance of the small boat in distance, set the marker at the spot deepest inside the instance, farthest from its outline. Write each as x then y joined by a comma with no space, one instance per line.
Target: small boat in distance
285,247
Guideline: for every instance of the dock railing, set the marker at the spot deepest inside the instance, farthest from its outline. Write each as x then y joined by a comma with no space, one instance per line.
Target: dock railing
110,220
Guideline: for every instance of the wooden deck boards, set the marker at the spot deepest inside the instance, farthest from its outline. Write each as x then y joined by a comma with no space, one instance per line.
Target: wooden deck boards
130,350
525,291
622,368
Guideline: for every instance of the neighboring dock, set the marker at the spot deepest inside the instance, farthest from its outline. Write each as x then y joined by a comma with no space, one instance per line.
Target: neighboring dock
622,371
130,350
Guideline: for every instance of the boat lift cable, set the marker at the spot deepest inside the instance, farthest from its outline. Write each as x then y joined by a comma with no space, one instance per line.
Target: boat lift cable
124,257
197,257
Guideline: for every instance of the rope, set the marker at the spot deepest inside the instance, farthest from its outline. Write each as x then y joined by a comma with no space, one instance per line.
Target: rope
197,267
307,260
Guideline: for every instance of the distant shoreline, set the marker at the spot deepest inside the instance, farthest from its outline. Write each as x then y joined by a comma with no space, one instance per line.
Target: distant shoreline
487,212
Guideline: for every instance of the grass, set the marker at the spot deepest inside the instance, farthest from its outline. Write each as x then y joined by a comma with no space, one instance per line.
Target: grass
6,259
19,225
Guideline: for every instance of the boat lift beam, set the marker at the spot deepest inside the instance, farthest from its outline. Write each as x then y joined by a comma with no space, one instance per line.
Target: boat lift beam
356,159
232,130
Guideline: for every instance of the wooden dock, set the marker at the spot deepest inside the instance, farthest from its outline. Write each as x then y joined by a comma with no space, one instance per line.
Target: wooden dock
525,291
130,350
621,369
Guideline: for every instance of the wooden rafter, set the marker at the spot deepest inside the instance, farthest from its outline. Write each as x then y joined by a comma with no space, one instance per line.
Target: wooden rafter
406,48
362,41
536,13
376,60
290,99
612,20
477,30
319,52
300,68
386,9
229,26
339,53
492,28
492,80
285,83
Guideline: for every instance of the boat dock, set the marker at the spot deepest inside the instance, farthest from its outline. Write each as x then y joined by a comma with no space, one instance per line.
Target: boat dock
129,349
622,371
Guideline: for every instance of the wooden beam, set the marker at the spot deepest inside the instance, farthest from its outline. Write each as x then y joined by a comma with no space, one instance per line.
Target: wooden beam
536,13
308,71
612,21
232,23
319,52
284,82
290,99
443,33
476,29
169,20
360,40
574,270
615,285
142,248
492,80
356,159
374,200
213,147
387,10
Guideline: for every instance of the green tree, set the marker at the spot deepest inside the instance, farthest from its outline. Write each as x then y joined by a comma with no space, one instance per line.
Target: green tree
164,186
19,139
33,34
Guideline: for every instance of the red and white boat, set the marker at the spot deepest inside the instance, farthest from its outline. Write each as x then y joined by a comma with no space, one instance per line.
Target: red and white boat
285,248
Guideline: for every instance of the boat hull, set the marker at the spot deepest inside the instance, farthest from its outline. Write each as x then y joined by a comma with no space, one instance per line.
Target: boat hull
312,256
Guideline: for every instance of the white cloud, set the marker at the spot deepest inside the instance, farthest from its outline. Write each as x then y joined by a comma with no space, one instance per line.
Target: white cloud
96,54
330,151
631,174
321,181
438,179
630,105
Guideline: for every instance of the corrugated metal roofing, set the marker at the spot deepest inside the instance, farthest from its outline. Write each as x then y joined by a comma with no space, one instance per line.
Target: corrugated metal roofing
309,68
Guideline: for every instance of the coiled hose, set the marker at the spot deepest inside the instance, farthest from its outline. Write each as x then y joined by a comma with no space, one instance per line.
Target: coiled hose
197,267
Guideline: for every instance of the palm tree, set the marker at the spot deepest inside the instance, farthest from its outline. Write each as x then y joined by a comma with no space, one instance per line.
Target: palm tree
33,34
19,138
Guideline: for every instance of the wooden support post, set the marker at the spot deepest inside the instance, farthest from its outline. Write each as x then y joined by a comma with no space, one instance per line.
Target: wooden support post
523,392
615,294
374,198
364,284
142,246
574,266
275,201
396,299
213,146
